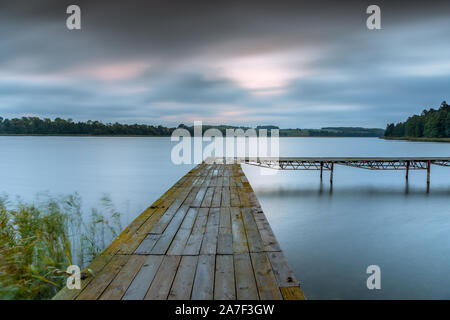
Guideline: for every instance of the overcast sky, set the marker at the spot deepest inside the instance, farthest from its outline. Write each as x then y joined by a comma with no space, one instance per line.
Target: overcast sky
304,64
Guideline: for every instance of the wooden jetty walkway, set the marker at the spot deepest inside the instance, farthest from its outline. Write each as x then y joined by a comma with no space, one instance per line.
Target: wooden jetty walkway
205,238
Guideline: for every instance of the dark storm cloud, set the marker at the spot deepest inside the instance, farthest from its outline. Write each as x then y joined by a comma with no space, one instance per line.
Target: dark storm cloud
291,63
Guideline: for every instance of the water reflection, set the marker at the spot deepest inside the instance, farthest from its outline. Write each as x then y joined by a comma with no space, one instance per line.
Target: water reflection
280,191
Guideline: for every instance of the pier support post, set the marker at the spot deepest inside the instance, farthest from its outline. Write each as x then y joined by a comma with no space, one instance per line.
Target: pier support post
407,170
428,172
321,169
331,172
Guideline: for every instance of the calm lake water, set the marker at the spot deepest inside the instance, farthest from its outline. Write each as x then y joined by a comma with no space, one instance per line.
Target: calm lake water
329,236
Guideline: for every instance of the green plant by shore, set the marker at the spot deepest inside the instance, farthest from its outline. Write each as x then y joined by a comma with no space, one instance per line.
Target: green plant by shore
39,241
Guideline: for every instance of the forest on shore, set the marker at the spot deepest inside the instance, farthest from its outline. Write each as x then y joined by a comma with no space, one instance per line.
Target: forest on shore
430,123
58,126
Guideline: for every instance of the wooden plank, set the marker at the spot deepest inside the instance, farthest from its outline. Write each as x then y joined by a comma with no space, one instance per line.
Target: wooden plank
226,181
245,279
234,198
265,279
220,180
225,239
216,197
163,243
224,284
254,240
122,281
184,279
130,244
127,234
209,243
195,239
164,221
225,221
283,273
103,279
225,197
243,197
143,279
182,236
225,244
268,238
239,237
147,244
199,181
292,293
191,196
160,287
206,203
199,197
203,288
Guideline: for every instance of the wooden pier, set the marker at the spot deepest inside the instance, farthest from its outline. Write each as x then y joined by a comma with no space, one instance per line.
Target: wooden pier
205,238
328,163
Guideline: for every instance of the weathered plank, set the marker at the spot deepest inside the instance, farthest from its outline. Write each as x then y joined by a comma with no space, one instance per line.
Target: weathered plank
245,279
225,197
163,243
147,244
206,203
143,279
121,282
265,279
203,288
254,240
268,238
224,284
128,242
216,200
209,243
195,239
234,197
243,197
159,289
164,221
292,293
182,236
103,279
184,279
283,273
199,197
225,239
239,237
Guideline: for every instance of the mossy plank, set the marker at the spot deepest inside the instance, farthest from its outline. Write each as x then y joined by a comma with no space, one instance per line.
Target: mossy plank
292,293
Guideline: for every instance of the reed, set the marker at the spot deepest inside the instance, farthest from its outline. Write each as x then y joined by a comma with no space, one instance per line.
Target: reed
39,240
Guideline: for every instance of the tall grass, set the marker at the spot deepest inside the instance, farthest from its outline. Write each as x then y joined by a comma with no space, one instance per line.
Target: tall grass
38,241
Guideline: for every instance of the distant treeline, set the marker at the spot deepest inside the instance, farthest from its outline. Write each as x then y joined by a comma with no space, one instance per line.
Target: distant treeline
58,126
429,124
333,132
35,125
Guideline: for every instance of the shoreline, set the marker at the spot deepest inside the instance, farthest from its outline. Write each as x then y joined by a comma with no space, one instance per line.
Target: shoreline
149,136
417,139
